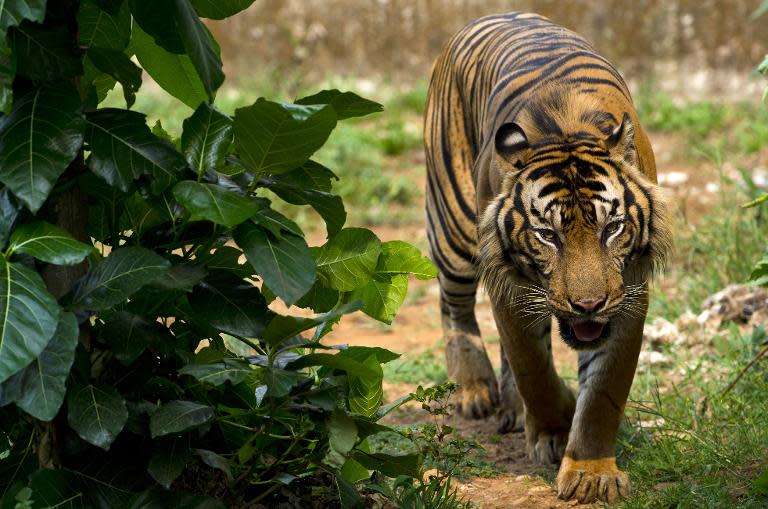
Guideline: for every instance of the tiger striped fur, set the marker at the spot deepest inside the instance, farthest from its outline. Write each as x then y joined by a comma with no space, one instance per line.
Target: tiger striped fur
541,184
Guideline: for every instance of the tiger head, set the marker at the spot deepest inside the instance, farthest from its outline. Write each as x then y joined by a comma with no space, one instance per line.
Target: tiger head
577,227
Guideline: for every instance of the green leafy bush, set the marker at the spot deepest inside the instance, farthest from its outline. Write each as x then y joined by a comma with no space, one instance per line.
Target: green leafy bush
140,364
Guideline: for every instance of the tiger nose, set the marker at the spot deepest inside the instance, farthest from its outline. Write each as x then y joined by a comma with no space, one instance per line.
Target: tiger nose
588,305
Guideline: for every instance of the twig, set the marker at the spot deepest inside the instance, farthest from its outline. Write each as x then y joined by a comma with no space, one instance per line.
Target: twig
743,370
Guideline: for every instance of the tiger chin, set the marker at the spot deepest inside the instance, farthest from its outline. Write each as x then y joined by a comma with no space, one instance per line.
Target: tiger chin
542,186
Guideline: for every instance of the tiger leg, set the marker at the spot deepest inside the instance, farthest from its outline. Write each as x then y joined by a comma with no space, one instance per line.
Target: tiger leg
549,403
588,471
468,363
511,408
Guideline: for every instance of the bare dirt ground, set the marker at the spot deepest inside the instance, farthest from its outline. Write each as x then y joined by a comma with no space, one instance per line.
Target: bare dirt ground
520,483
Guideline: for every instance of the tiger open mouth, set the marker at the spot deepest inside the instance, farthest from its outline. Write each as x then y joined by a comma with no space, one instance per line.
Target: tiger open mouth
583,331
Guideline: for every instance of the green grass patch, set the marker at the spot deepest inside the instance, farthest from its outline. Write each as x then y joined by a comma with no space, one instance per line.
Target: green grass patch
699,447
427,367
727,128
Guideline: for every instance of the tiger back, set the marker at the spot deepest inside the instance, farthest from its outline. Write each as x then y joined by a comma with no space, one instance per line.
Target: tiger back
541,183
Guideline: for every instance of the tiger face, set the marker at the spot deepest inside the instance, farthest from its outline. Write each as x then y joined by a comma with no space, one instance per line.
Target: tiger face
576,217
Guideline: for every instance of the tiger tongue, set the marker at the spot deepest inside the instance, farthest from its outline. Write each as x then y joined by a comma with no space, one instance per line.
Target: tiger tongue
587,331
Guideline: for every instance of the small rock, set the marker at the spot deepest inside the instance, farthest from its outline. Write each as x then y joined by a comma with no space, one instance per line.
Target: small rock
652,358
672,178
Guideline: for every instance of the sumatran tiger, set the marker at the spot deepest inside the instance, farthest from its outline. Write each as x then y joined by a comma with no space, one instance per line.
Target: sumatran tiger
542,186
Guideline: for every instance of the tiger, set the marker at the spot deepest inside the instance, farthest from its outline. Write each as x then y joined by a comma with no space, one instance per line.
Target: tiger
541,186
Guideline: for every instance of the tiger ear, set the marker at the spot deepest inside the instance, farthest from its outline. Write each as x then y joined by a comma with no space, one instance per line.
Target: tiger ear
621,142
511,141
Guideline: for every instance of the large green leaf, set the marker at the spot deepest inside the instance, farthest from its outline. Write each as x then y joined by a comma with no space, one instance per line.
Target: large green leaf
216,373
169,457
97,414
285,263
29,317
227,258
8,214
13,12
349,497
347,261
216,461
346,104
276,138
200,46
219,9
55,489
342,435
230,304
116,277
94,84
350,360
173,72
290,188
45,53
398,257
390,465
281,381
276,223
282,327
38,139
175,26
39,388
99,28
181,277
48,243
177,416
215,203
158,20
117,65
319,298
382,296
127,335
123,149
206,138
366,392
311,175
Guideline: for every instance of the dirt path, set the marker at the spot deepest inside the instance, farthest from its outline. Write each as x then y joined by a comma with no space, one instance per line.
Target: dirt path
416,330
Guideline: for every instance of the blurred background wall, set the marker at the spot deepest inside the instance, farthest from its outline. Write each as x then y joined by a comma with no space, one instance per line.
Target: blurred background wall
685,45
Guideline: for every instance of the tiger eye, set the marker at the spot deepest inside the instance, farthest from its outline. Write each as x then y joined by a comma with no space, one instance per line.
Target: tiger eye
548,235
612,228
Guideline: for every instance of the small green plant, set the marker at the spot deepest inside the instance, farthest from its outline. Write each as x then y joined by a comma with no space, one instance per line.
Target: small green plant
445,454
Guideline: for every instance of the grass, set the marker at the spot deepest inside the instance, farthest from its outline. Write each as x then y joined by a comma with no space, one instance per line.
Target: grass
729,129
427,367
699,447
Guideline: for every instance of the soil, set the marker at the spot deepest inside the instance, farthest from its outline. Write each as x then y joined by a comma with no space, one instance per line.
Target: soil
520,483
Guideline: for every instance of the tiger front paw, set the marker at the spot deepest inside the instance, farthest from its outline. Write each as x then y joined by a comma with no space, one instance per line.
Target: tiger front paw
546,434
590,480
